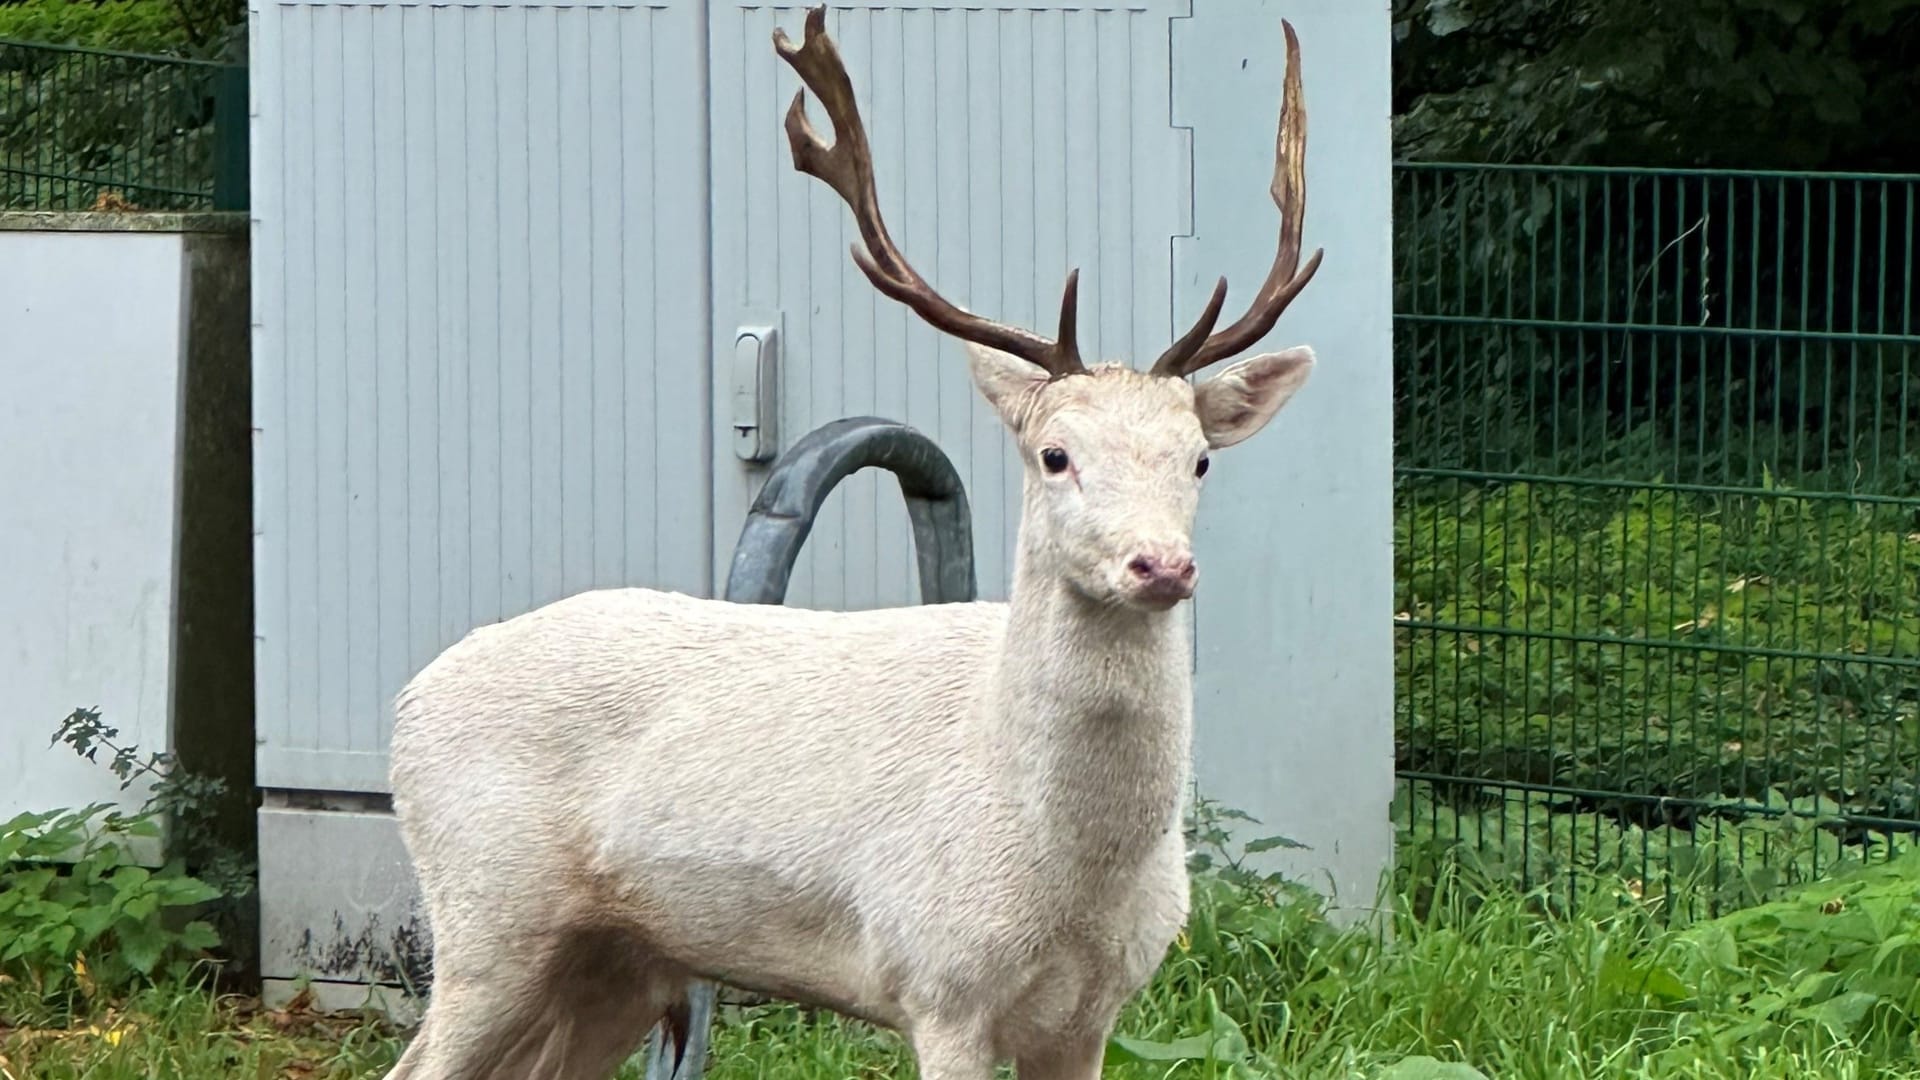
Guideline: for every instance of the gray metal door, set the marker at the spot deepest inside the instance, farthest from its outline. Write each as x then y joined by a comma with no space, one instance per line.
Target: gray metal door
481,322
1012,142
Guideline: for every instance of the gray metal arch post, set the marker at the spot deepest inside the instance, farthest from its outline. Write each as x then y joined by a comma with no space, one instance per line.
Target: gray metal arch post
769,544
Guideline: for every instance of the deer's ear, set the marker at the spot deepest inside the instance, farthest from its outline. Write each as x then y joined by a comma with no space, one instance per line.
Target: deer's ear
1005,380
1242,398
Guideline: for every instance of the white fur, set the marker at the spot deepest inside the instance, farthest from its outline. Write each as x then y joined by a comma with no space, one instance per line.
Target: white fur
959,821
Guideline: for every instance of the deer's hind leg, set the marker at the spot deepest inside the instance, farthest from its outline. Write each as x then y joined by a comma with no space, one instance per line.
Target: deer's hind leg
576,1014
1077,1058
604,1007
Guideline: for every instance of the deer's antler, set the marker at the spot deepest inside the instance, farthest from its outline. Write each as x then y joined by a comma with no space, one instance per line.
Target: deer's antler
1198,348
847,167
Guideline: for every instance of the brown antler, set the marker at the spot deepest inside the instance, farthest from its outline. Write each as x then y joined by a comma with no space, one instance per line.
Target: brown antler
847,167
1197,348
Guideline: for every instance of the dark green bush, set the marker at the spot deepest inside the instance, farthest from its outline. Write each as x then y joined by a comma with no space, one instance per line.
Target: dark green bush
79,913
129,25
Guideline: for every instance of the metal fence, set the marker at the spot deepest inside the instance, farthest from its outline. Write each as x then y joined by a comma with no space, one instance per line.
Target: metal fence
160,133
1658,506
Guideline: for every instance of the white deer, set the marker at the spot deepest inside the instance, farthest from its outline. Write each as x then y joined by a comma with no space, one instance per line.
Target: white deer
962,822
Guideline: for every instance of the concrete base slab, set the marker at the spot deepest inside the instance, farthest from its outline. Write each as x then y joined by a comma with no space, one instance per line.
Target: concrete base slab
338,899
396,1005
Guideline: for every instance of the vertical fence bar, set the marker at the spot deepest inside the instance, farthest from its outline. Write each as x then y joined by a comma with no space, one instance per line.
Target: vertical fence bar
230,138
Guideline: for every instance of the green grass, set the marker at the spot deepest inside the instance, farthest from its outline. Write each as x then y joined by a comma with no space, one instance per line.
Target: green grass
1589,643
179,1029
1821,983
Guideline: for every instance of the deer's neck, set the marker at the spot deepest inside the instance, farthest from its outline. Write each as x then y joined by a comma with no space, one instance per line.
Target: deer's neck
1093,717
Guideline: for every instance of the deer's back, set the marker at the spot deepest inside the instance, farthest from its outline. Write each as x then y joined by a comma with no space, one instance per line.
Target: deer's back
654,678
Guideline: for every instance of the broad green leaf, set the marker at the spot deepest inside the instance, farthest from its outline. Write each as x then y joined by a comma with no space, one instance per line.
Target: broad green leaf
31,883
1190,1048
183,891
1898,943
129,877
1813,987
141,946
1229,1042
59,940
199,935
141,906
1622,974
1888,912
1422,1067
27,822
1844,1012
1888,987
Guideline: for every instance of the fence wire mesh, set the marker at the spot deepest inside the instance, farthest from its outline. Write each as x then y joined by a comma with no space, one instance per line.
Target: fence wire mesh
157,132
1658,505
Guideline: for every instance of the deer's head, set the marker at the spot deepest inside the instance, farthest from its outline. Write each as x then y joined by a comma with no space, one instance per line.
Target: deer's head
1114,457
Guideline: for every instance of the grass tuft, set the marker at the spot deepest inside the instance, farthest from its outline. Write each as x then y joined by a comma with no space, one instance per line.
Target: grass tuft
1469,979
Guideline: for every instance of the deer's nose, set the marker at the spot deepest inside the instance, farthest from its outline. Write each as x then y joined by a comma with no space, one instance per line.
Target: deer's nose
1168,577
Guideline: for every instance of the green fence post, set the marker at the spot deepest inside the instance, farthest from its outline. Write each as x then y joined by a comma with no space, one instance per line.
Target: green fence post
230,134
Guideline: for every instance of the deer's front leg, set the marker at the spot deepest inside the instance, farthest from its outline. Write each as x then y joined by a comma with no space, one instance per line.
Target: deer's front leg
953,1052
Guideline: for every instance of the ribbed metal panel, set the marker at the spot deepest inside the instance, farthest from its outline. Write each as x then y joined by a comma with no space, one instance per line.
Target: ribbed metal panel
482,319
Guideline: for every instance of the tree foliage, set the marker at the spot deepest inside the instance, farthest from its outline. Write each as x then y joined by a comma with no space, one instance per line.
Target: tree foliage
1791,84
208,29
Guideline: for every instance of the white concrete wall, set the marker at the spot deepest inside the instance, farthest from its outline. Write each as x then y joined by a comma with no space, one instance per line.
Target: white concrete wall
90,380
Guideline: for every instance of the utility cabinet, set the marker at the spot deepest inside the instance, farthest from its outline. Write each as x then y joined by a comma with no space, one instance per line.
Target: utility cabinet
539,295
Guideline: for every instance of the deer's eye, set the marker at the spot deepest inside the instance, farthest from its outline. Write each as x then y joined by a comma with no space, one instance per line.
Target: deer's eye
1054,459
1201,469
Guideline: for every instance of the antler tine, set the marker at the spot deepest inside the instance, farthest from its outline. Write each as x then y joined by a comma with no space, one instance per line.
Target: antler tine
1191,341
1196,349
847,167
